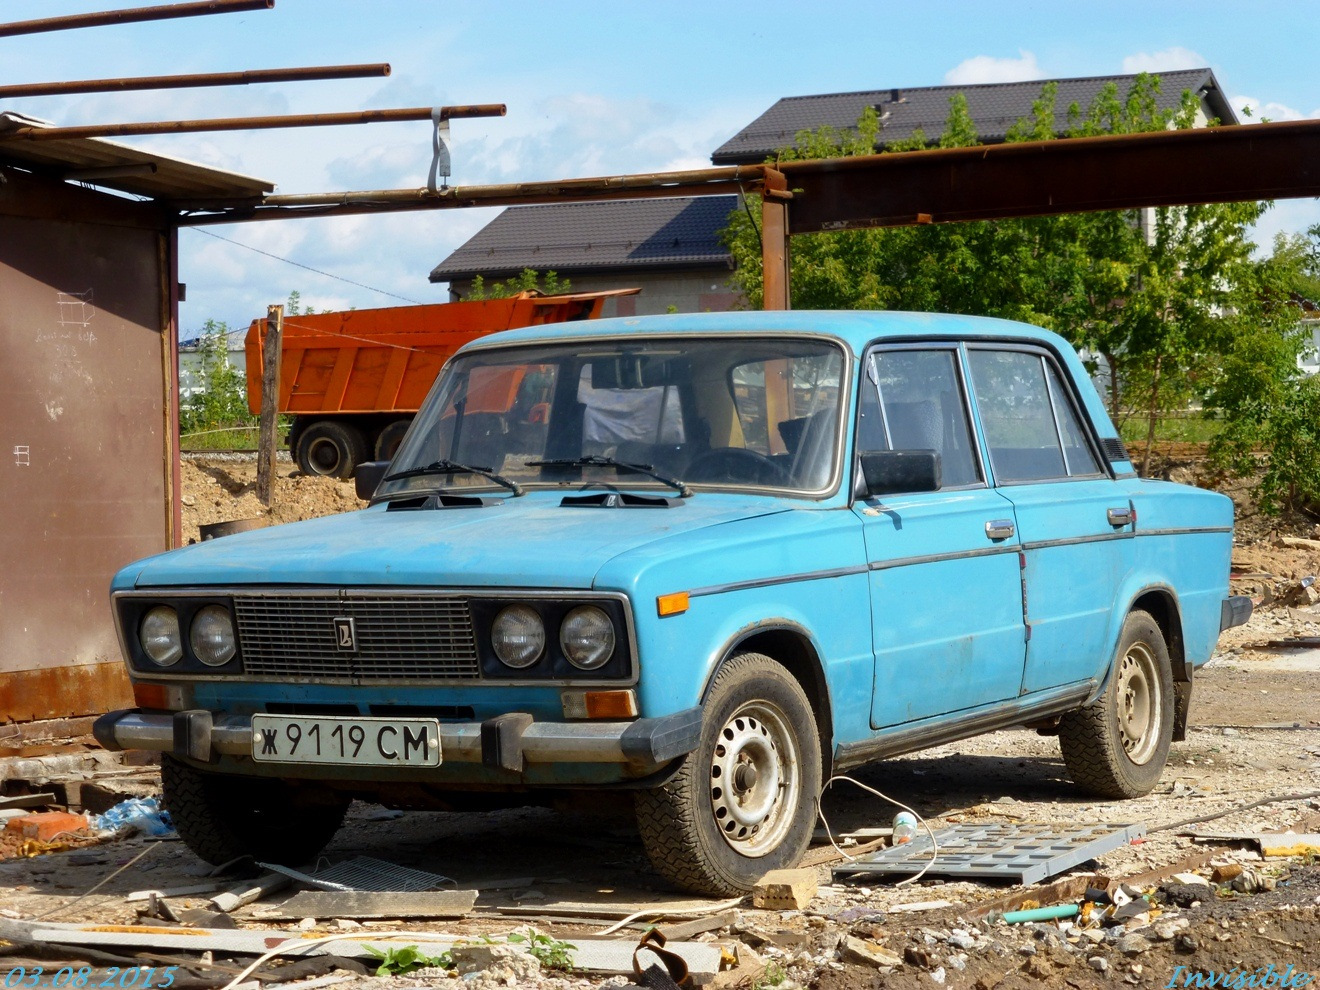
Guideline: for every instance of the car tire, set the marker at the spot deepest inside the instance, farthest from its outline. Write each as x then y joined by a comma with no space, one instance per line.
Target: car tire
1118,746
331,449
387,443
220,817
744,801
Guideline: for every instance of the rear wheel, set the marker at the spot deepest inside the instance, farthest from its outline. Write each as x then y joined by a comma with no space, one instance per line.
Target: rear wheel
331,449
1117,748
743,802
220,817
388,440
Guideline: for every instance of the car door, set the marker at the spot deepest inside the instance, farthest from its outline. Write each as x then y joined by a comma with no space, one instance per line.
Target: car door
1074,523
945,580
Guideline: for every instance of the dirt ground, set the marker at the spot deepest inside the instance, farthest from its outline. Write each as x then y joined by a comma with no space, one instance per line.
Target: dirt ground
1251,763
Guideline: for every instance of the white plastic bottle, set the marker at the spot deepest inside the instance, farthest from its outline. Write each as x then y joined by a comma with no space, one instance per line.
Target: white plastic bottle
905,827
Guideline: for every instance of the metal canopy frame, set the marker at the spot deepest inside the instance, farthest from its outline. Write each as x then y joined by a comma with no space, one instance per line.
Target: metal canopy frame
1039,178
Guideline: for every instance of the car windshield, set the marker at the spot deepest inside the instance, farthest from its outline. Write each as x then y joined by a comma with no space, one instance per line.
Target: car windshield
676,413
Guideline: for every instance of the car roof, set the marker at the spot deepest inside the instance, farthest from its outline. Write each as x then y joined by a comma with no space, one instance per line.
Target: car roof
855,329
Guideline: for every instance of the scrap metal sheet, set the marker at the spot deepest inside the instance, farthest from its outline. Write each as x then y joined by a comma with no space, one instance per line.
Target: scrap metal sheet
1021,853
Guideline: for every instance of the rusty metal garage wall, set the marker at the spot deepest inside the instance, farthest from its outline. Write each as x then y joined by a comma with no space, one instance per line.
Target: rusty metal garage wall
84,477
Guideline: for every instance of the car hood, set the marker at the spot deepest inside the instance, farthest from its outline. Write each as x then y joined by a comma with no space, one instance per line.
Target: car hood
531,541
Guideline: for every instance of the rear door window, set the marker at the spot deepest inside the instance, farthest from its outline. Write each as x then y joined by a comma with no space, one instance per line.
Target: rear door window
1031,428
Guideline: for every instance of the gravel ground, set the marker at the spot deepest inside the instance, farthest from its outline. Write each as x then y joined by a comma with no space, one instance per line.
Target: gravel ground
1255,736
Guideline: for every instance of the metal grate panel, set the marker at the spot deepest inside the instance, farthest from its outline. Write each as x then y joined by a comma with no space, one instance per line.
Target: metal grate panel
1020,853
365,873
398,637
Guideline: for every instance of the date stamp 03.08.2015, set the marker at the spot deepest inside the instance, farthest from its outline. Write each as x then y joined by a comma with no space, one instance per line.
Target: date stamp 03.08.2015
89,978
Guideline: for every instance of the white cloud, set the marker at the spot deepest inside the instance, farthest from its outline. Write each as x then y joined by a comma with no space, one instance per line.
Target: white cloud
1170,59
988,69
1267,110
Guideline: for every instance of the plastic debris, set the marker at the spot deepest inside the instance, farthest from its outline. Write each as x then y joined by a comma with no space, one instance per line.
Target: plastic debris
143,815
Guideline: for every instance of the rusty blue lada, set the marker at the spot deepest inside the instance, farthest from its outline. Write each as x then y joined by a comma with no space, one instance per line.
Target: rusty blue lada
703,561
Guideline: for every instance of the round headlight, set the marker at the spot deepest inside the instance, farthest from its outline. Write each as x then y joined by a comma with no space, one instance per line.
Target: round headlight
518,636
159,635
212,636
587,637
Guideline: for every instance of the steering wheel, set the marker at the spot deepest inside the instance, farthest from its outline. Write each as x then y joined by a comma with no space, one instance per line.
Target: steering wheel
737,466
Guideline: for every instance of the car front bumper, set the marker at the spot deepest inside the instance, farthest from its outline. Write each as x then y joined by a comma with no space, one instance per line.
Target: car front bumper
507,741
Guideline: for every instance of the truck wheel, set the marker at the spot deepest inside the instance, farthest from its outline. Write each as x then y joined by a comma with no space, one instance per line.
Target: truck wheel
331,449
388,441
221,817
1117,748
744,801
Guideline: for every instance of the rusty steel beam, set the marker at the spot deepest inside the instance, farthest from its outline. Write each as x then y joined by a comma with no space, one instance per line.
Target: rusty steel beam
132,15
253,123
250,123
698,182
1164,168
199,79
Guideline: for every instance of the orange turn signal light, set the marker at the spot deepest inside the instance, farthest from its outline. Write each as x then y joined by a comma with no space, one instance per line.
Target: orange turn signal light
600,704
151,696
675,603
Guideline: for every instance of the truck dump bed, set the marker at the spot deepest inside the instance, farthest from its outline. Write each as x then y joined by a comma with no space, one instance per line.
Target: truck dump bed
353,379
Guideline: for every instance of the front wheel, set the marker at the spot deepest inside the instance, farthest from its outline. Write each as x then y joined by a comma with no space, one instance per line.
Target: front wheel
743,802
221,817
1117,748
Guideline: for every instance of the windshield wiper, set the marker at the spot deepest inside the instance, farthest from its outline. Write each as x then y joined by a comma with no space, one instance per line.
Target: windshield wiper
600,460
453,467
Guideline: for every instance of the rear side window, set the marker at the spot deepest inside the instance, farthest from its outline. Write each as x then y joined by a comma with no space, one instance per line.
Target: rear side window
1030,425
916,403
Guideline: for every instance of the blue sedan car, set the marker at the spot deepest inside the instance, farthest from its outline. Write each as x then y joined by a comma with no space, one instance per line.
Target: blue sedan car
707,560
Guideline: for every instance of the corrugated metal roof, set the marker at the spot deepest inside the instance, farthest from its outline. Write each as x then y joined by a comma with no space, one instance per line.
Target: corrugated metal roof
155,176
994,108
603,236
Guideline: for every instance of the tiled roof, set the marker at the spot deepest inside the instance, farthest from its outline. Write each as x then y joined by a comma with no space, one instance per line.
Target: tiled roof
602,236
994,107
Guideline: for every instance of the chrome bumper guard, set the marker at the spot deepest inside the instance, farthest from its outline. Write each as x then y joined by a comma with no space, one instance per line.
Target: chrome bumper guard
506,741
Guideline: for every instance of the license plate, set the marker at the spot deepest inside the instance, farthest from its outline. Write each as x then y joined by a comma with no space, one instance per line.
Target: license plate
377,742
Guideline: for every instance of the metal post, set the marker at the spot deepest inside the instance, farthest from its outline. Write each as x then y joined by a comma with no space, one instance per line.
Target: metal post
270,402
774,240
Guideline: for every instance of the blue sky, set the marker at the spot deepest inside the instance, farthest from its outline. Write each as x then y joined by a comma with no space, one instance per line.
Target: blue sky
592,89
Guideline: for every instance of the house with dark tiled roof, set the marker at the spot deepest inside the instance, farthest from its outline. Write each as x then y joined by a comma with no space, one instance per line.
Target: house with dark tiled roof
670,248
994,108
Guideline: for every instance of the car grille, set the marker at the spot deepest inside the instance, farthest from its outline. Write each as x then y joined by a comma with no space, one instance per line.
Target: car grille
399,637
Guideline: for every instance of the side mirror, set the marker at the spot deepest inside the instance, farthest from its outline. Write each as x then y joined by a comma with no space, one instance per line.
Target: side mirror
890,472
367,478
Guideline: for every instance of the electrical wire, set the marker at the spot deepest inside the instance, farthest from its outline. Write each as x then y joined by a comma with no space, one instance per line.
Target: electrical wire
299,264
820,812
68,904
678,913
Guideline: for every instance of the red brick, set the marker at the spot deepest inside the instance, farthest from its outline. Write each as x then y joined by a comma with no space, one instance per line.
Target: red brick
46,825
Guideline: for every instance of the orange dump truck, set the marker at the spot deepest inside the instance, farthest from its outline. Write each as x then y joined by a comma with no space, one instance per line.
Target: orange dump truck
352,380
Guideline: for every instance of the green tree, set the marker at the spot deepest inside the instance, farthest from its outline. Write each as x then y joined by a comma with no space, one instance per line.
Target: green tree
1144,291
528,280
221,401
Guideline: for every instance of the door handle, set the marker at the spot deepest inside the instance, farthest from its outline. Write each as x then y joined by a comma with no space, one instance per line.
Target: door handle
999,529
1120,517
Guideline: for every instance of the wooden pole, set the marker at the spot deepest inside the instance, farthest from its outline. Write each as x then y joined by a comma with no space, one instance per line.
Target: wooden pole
268,438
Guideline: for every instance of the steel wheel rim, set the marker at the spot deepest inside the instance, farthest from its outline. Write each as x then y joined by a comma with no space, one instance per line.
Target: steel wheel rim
323,455
1139,703
755,779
